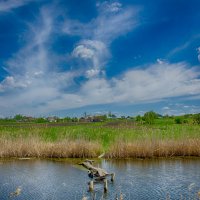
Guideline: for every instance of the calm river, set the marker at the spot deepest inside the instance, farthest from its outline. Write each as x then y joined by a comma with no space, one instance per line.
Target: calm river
135,179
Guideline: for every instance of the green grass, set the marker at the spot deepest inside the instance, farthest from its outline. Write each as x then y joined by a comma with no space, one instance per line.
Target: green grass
118,139
104,132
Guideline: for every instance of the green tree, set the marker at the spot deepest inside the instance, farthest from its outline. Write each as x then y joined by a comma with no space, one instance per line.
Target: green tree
178,120
104,117
113,116
18,117
138,118
41,120
67,119
74,119
149,117
196,118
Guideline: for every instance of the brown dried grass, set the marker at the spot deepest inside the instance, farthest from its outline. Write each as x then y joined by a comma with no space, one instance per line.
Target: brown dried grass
149,148
34,147
155,148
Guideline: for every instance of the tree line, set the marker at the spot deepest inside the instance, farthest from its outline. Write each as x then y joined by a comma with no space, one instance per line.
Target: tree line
148,118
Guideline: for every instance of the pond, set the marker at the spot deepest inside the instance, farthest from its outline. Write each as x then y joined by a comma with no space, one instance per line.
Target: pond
65,180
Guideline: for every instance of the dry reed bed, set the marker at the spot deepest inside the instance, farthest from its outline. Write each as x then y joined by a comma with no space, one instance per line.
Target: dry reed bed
155,148
35,147
149,148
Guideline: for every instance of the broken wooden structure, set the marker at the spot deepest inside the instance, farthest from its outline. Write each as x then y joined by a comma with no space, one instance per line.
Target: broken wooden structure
98,174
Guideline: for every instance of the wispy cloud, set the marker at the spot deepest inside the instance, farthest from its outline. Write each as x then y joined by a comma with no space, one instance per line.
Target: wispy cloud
183,46
179,48
158,81
165,108
94,55
8,5
180,109
32,58
99,33
111,17
109,7
105,27
33,77
198,51
35,84
155,83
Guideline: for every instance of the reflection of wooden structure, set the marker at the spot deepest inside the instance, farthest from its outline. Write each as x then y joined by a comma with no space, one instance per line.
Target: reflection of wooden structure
97,173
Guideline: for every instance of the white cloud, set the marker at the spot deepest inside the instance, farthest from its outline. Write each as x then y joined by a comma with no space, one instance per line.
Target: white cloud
99,33
93,73
186,106
142,85
105,27
160,61
165,108
141,112
155,83
183,46
83,52
40,87
97,90
115,7
10,82
94,53
109,7
33,77
181,109
8,5
198,51
179,48
158,82
111,17
33,57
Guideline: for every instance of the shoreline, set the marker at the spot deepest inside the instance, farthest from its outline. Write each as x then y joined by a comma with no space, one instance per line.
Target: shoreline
77,160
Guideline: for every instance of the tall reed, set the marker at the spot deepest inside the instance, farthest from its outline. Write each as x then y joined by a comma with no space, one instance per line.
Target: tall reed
118,140
154,148
35,147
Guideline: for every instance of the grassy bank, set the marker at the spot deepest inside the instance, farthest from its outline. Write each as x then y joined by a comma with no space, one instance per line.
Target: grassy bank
118,139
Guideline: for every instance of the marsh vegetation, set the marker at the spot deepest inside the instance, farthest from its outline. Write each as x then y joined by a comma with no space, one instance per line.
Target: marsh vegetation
117,138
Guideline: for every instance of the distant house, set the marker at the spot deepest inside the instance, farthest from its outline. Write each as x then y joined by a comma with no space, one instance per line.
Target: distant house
85,119
112,116
28,119
52,119
97,118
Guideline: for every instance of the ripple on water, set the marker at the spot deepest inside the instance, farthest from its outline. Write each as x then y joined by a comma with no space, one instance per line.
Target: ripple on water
47,180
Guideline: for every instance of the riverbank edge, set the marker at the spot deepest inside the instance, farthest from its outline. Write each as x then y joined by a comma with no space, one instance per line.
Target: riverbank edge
96,159
78,160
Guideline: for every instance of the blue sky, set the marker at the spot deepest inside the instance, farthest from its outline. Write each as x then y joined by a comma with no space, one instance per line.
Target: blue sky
128,57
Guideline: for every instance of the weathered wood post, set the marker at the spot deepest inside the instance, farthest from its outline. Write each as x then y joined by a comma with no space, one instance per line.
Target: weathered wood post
84,198
105,185
91,186
98,174
112,177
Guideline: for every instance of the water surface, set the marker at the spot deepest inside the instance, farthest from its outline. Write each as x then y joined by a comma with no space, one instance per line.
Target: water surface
135,179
